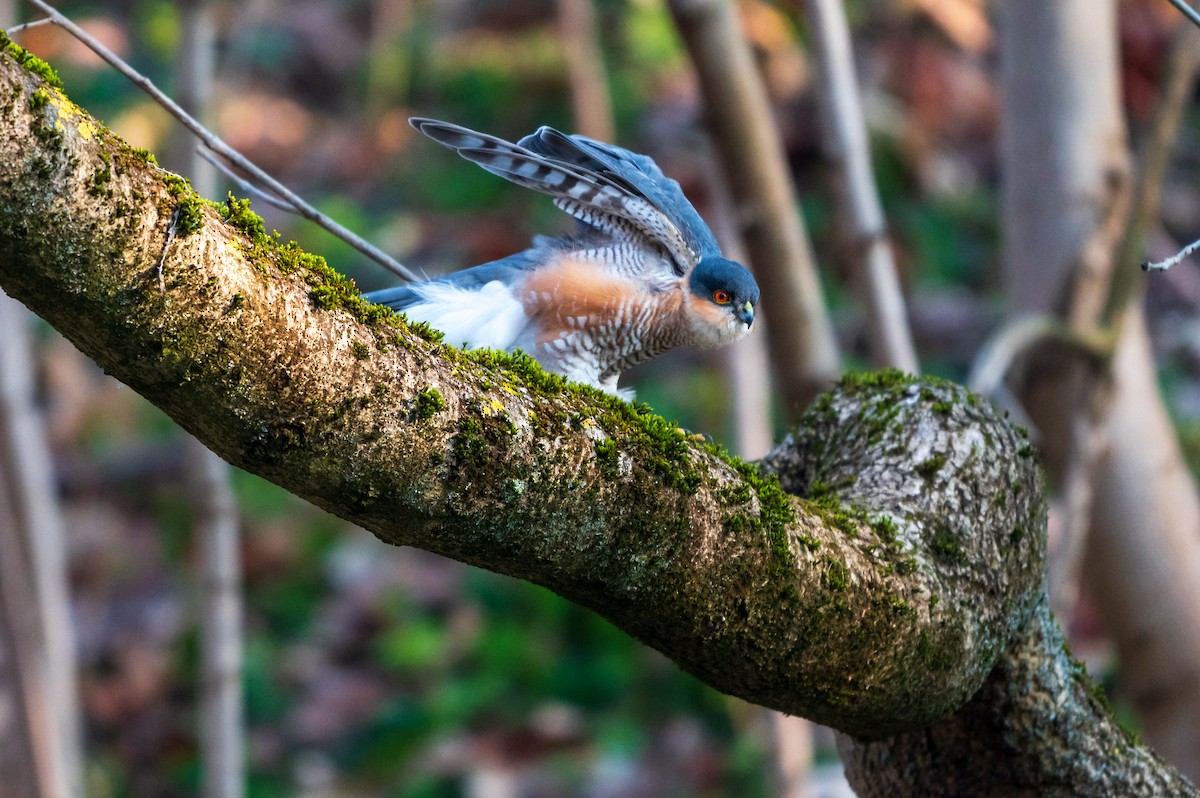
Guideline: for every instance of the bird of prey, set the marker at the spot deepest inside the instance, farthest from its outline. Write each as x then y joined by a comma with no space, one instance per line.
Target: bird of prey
641,274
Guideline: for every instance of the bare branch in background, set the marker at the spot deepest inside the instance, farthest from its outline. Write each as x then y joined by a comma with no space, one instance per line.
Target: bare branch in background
1145,543
848,147
36,770
1001,353
37,23
222,728
1074,505
214,143
590,103
40,626
241,182
1163,265
1070,512
1182,66
1187,10
793,737
804,352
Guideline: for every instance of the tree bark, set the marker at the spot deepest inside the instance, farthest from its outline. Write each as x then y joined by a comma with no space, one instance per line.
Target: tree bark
878,606
1035,730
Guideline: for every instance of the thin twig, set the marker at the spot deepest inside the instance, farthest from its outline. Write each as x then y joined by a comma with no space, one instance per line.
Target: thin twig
242,183
293,204
15,29
1163,265
1182,67
1188,11
214,143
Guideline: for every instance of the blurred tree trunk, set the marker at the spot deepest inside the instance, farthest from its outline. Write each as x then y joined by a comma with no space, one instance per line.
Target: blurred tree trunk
1142,562
1063,148
803,349
208,478
1066,204
16,755
591,107
860,211
26,759
33,579
388,61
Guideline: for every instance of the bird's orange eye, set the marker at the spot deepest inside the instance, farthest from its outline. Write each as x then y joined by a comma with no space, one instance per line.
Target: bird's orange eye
721,297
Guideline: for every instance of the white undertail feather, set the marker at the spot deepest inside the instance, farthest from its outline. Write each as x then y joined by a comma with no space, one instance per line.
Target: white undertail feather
487,317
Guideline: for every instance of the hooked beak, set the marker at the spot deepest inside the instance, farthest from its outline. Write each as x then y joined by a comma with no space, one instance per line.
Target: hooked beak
745,314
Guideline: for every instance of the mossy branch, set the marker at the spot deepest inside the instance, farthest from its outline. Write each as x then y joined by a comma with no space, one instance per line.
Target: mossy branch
878,605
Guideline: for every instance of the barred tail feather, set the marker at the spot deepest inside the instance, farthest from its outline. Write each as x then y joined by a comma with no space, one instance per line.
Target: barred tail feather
583,185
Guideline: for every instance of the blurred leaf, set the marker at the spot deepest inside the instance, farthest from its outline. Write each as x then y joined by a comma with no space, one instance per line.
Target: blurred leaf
258,498
266,702
158,27
953,239
621,736
396,731
269,785
428,787
414,645
455,702
650,37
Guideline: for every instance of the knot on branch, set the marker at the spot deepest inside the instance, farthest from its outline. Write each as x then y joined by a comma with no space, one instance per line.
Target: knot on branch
943,499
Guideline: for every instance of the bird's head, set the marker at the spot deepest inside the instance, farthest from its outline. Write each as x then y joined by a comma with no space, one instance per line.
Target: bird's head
724,296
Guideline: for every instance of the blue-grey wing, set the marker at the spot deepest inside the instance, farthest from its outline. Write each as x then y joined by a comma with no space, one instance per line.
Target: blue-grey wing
506,270
609,189
637,173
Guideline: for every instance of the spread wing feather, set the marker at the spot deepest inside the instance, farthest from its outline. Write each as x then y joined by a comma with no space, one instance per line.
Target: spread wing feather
637,174
606,187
